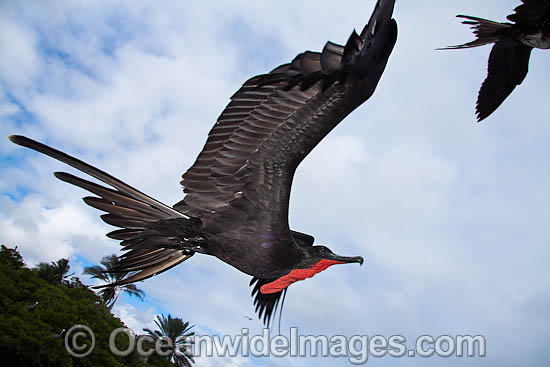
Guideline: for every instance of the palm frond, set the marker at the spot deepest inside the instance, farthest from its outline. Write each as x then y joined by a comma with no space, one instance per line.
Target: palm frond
178,331
109,295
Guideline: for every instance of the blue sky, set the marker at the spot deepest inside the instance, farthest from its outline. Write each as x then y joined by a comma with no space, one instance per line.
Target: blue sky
450,215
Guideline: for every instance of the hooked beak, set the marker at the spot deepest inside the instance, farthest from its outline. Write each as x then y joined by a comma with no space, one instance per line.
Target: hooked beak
348,259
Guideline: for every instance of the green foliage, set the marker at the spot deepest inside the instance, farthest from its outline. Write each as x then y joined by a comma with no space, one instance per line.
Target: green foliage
105,273
178,331
26,328
54,273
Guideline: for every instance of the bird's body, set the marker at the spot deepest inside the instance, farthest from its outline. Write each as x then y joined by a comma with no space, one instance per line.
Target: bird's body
238,190
513,42
536,40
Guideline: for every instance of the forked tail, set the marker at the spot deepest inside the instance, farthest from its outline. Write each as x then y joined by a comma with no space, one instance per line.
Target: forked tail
155,236
486,32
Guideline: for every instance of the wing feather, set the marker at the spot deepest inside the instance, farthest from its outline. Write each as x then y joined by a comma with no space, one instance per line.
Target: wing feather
531,15
265,304
507,67
273,121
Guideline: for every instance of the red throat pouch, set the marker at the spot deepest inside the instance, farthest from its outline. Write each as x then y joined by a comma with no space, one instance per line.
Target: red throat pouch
296,275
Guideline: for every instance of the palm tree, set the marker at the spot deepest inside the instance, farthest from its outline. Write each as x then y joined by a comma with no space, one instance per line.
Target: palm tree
177,331
110,294
55,272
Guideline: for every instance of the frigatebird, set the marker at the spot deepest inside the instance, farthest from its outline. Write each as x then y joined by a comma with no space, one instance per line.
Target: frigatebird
509,58
238,189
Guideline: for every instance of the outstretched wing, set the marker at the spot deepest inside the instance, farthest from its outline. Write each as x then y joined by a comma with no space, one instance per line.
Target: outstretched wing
507,67
532,15
241,180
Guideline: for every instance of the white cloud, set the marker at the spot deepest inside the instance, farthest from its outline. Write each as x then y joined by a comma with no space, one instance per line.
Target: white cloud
450,215
19,62
48,234
8,109
135,319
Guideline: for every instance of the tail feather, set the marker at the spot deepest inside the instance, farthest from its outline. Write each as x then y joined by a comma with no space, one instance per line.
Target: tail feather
151,242
124,234
176,258
106,206
94,172
150,260
137,254
486,32
152,233
111,196
127,222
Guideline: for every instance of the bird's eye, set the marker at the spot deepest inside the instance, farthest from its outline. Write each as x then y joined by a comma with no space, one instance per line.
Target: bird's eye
324,249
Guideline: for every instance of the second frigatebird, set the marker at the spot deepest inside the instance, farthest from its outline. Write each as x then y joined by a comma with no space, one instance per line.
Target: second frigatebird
238,189
509,58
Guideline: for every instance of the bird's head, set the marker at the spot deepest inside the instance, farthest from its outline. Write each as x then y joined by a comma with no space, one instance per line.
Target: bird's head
315,254
315,259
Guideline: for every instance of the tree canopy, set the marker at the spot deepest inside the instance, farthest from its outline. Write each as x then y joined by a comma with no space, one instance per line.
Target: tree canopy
34,312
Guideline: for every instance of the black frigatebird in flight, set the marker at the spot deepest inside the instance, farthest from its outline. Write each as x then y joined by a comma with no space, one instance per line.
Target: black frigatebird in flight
509,57
238,189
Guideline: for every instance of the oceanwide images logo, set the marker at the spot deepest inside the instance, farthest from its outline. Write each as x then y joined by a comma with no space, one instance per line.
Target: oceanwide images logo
80,342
